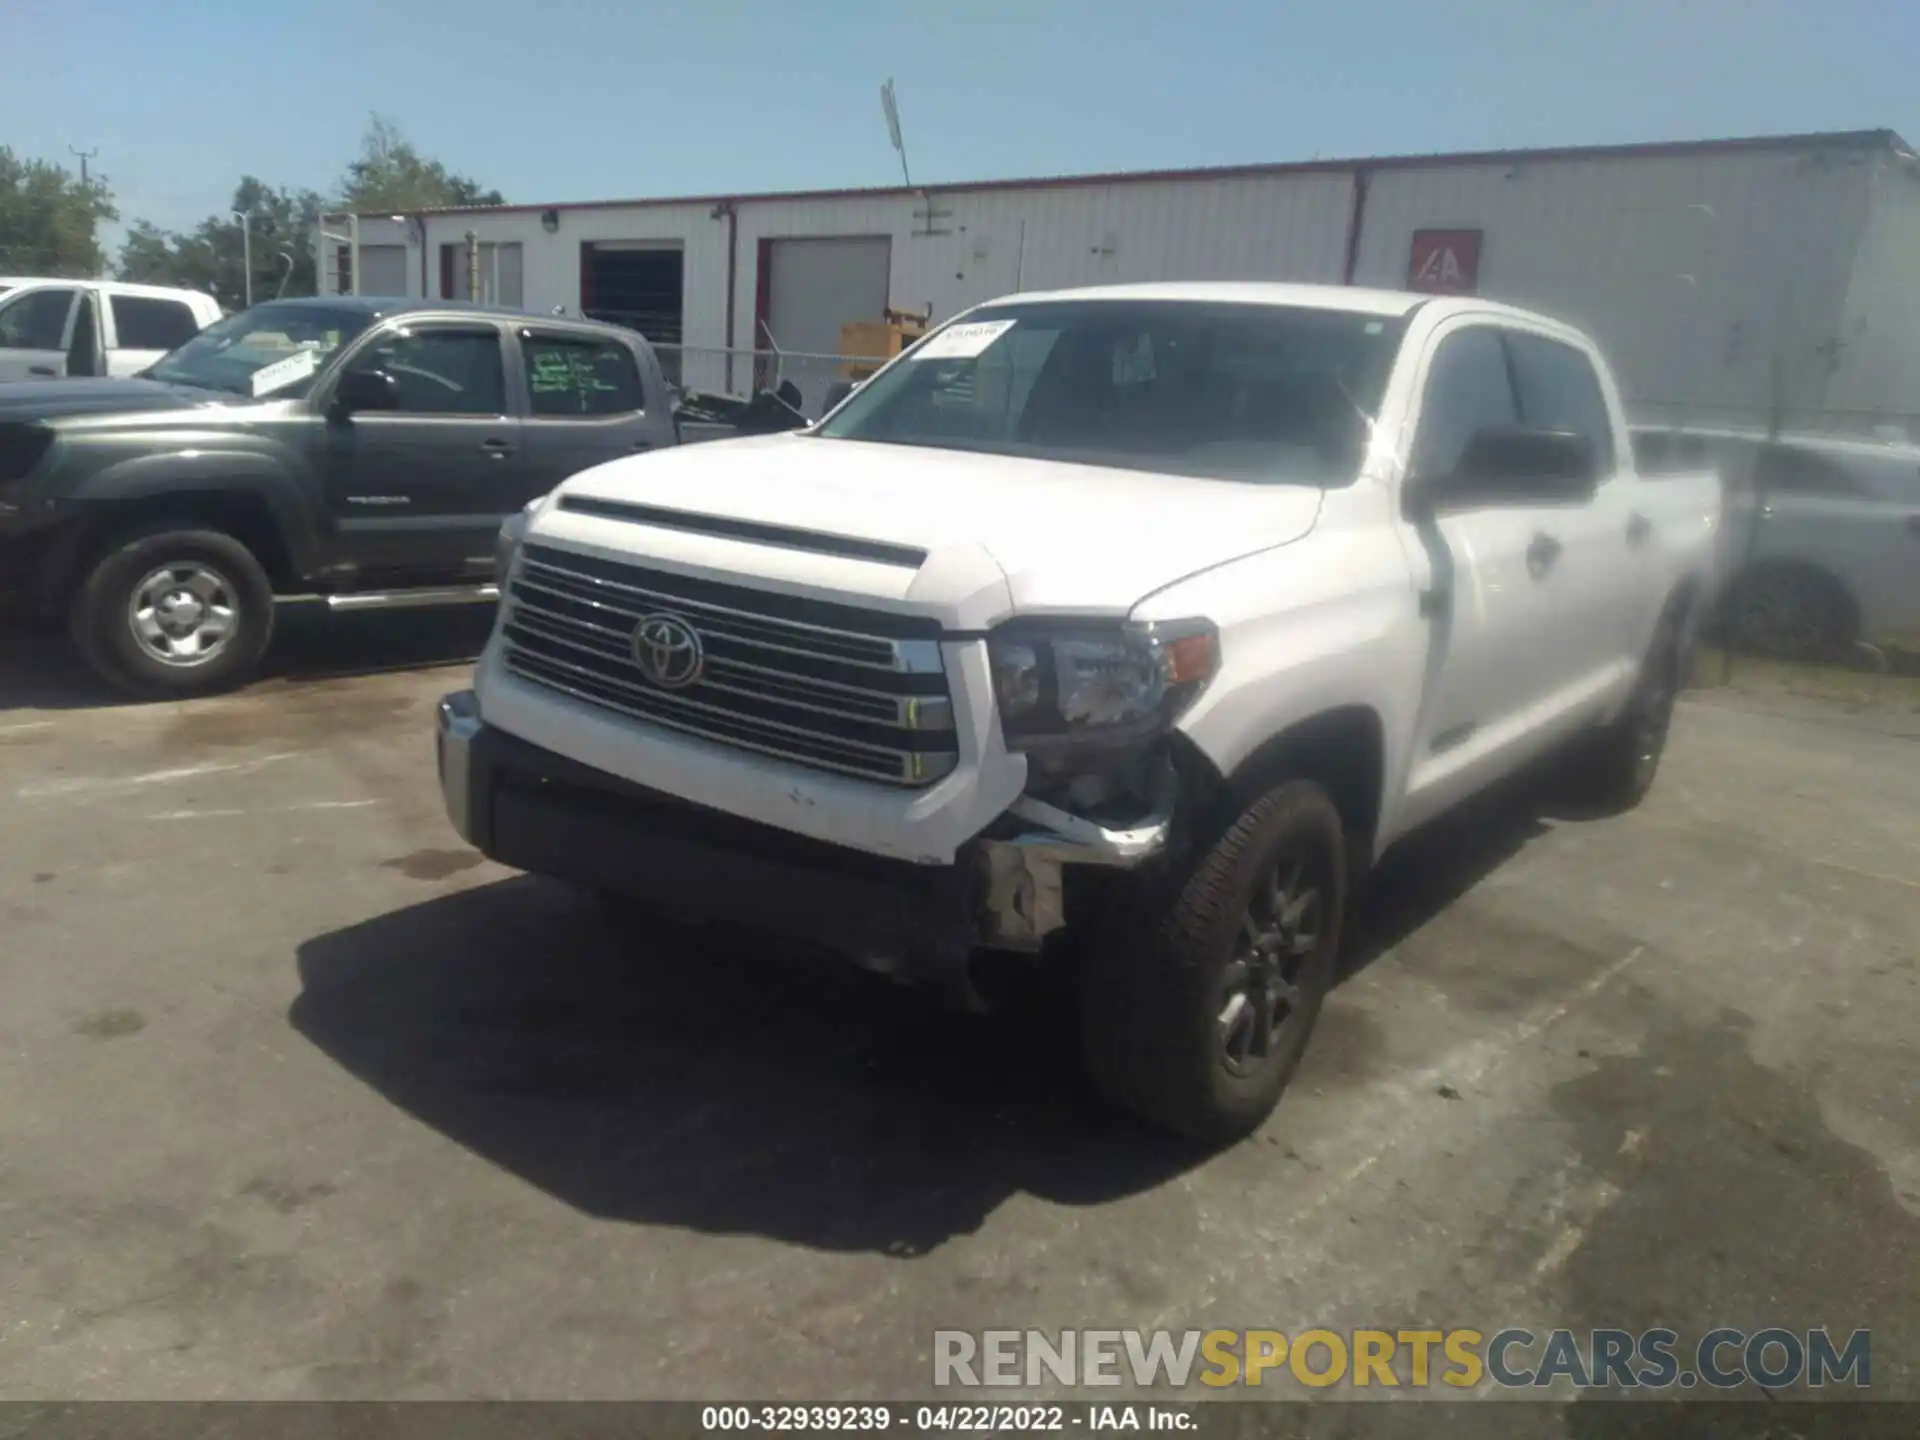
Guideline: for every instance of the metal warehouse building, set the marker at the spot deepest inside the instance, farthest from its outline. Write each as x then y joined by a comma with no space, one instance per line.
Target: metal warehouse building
1738,281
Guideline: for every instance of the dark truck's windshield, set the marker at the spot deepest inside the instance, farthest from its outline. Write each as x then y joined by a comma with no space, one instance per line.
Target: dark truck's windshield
1225,391
270,350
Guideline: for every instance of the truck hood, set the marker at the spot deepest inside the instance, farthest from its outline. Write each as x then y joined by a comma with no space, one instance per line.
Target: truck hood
1069,538
52,399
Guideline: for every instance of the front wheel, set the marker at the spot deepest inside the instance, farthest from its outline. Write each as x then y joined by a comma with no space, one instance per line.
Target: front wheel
1197,1020
174,611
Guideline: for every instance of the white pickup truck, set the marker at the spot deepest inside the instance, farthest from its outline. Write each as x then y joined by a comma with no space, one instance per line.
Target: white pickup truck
50,329
1142,616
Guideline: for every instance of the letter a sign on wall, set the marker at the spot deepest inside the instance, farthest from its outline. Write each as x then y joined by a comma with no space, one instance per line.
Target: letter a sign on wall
1444,262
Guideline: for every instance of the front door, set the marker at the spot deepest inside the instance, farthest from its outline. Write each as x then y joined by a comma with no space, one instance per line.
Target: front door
1497,645
585,404
417,493
34,329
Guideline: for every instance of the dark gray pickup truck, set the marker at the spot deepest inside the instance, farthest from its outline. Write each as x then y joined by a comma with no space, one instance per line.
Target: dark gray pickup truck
357,450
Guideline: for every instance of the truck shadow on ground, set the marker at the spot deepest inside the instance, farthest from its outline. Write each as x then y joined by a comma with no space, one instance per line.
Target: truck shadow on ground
648,1072
39,671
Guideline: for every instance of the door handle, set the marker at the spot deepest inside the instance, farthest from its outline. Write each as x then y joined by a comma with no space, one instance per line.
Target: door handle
1639,529
43,370
497,449
1541,554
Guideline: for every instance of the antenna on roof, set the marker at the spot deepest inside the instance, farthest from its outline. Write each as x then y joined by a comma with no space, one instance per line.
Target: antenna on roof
891,108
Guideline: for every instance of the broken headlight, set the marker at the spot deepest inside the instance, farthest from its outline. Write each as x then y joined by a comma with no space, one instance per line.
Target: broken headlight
1065,685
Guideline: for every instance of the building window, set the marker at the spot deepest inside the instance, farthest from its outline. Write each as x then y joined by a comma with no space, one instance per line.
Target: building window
501,274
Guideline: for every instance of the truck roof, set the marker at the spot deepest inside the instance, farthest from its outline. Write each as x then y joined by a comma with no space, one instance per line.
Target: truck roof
1356,299
1868,446
110,287
384,305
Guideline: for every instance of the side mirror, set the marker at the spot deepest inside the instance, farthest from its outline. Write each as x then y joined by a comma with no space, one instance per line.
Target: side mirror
1512,464
366,390
1528,464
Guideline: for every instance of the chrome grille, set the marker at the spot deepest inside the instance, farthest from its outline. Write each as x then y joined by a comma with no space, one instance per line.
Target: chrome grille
831,686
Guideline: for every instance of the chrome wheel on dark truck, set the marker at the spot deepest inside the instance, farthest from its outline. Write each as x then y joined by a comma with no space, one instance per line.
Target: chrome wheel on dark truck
1197,1020
172,610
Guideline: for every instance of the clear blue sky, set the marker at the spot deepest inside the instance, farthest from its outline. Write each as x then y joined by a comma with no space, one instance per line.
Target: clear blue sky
582,99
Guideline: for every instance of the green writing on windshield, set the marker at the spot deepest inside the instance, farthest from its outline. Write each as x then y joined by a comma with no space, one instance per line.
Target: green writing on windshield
567,372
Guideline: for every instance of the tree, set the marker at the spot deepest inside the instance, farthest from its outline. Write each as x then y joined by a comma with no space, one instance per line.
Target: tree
50,219
212,256
391,175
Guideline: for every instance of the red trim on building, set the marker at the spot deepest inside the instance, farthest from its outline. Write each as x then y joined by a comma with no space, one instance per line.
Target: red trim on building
733,279
762,306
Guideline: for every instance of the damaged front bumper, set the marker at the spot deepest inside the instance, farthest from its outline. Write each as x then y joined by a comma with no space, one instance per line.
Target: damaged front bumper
535,810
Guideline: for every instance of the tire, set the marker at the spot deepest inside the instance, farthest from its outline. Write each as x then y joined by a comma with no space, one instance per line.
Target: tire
1163,1031
154,595
1792,612
1615,769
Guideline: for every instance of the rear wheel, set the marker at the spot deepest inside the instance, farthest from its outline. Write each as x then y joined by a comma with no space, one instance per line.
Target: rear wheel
1792,612
174,611
1197,1019
1615,770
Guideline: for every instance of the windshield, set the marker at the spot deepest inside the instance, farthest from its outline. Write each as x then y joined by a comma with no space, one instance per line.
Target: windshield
269,350
1222,391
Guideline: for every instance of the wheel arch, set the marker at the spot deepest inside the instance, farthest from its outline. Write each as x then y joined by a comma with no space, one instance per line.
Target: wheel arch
1760,566
1343,749
246,512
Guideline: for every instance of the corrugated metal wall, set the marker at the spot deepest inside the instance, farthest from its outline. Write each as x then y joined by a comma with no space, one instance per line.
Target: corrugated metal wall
1725,284
979,244
1693,271
1875,379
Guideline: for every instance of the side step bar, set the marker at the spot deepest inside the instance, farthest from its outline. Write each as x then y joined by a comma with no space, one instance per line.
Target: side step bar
413,599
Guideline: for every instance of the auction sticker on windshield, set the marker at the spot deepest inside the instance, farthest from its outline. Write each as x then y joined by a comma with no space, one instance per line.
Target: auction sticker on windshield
963,342
282,373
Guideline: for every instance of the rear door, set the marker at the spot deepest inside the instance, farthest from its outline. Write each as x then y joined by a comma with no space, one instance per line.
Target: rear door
35,327
418,493
1608,568
1498,661
585,402
142,328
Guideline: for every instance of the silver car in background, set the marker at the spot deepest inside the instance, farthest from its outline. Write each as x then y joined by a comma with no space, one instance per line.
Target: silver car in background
1822,542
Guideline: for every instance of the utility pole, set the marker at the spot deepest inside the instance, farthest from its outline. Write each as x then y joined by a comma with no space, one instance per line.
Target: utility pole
246,250
85,155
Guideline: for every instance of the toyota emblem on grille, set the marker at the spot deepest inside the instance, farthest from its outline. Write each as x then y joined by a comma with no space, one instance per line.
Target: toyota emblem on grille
668,651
